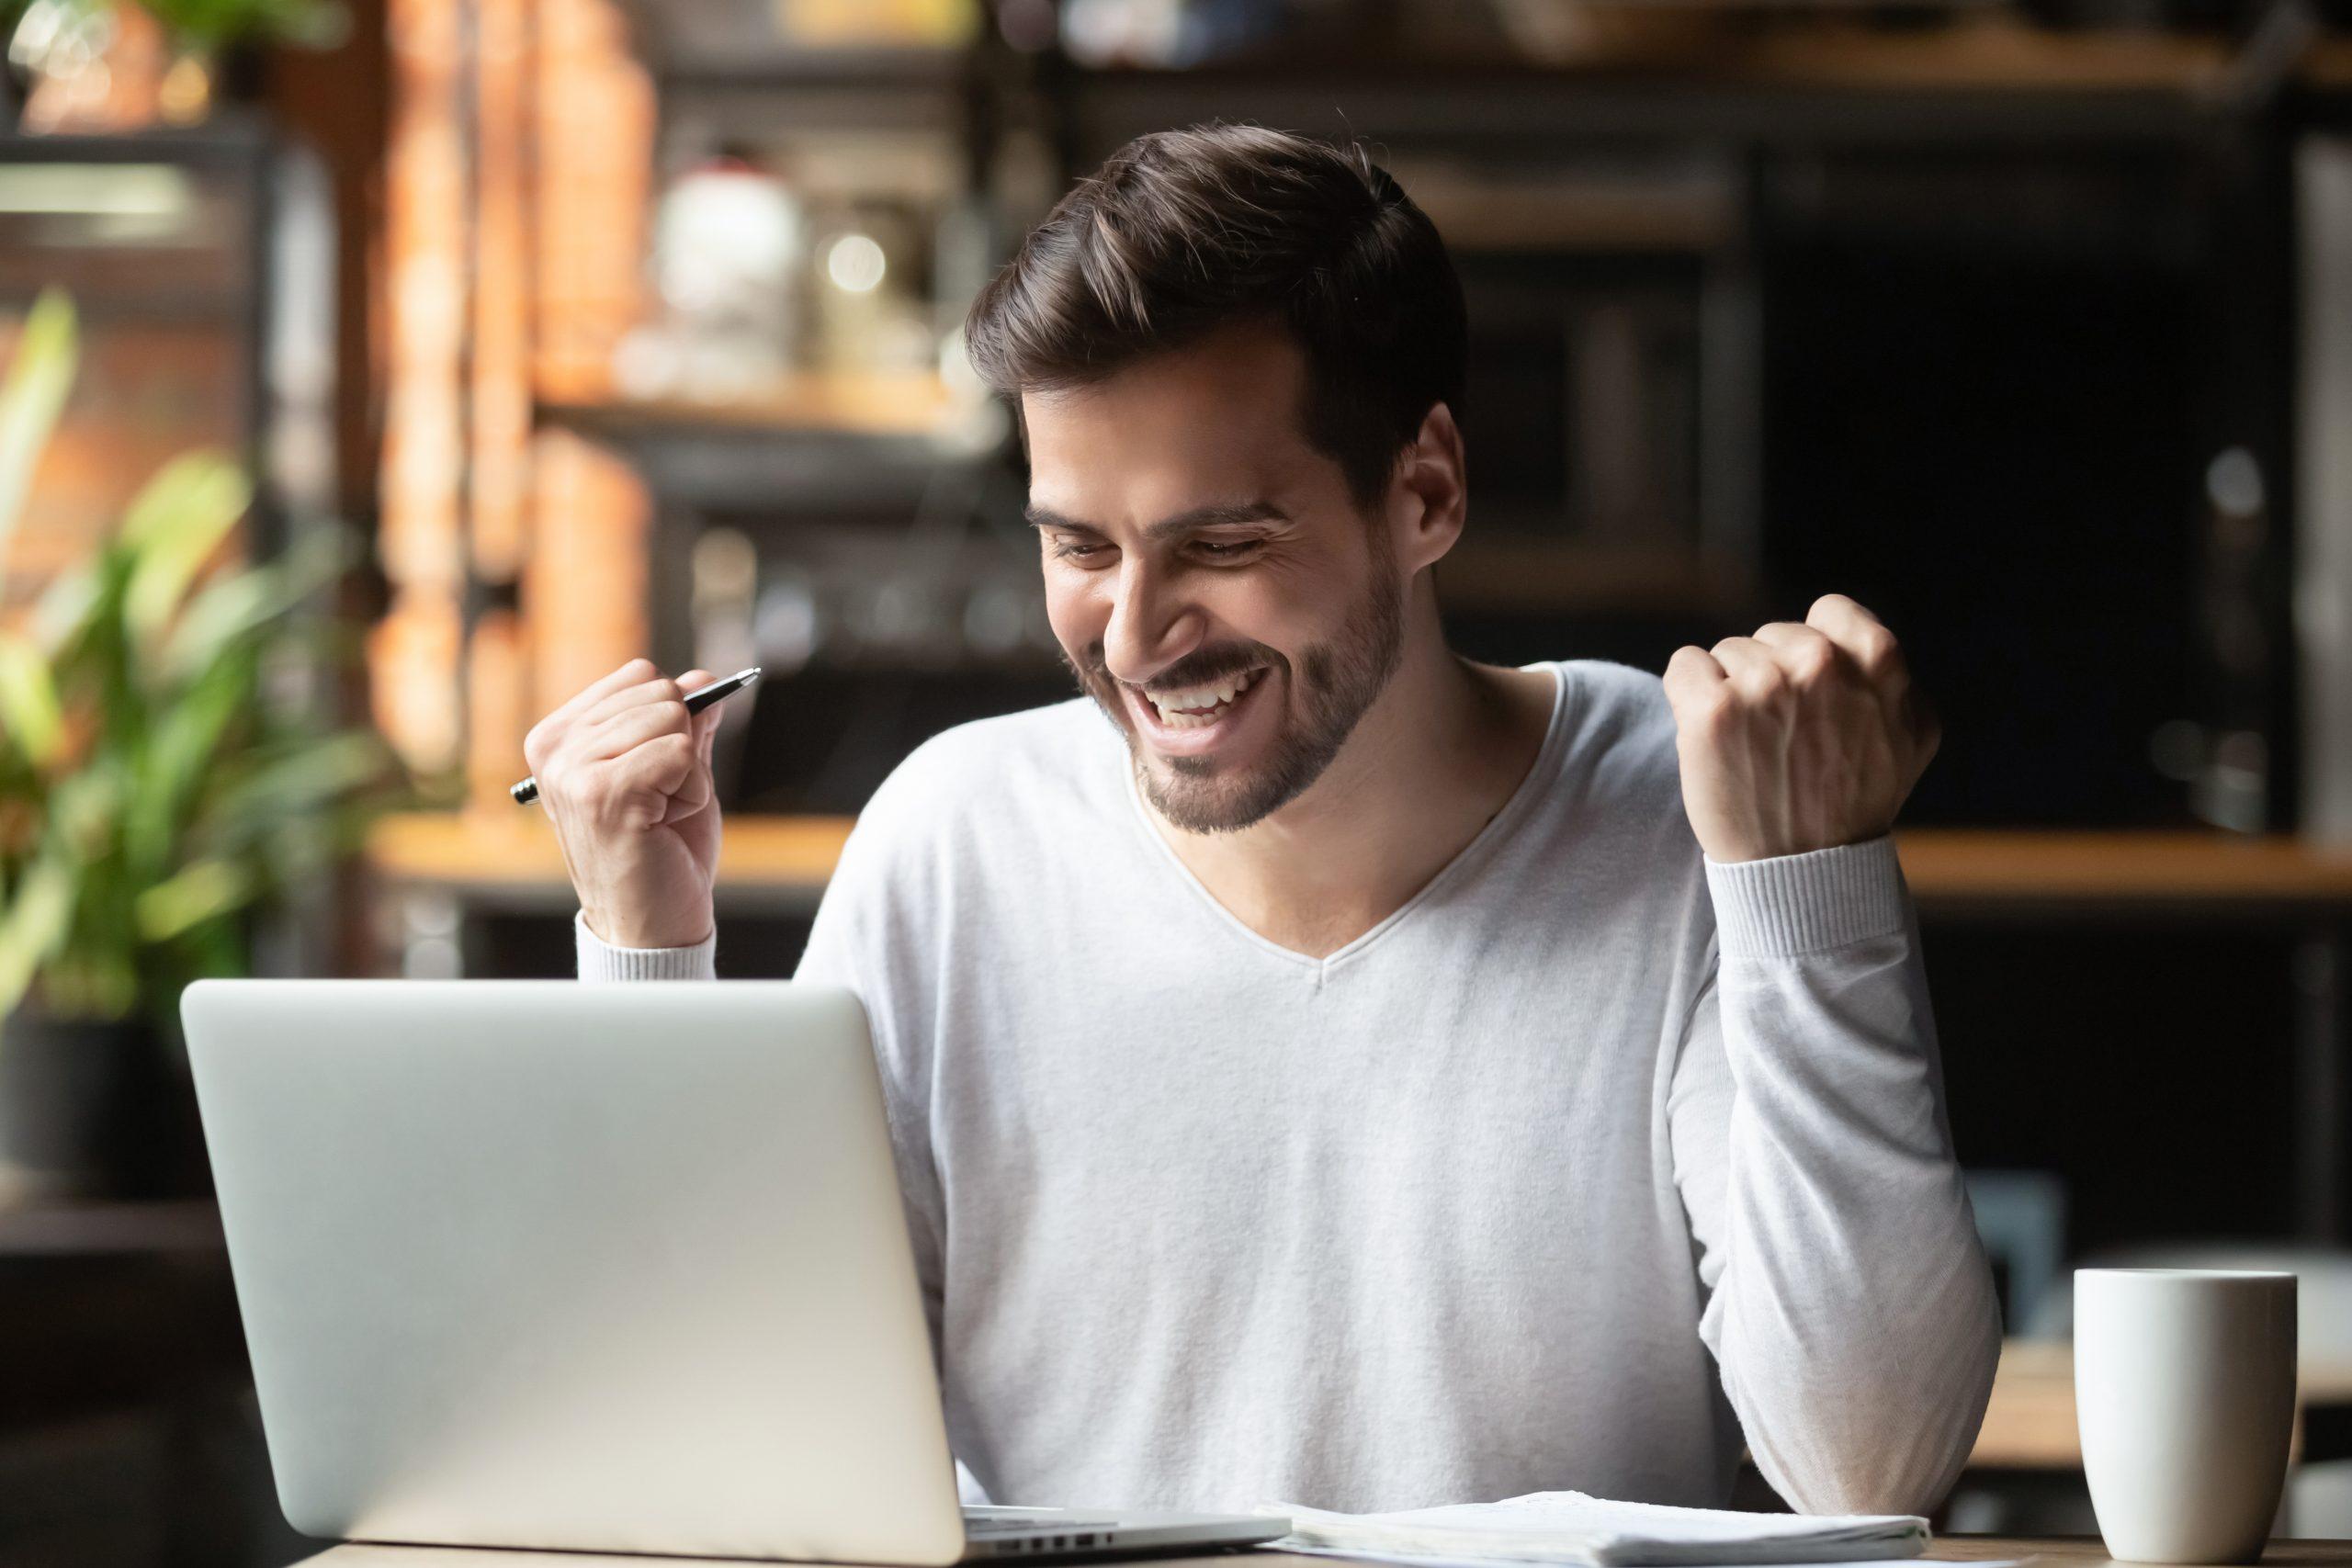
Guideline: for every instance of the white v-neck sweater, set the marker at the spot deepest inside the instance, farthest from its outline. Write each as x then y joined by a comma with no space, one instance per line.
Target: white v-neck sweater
1506,1195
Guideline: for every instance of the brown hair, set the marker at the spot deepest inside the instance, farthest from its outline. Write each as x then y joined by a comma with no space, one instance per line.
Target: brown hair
1184,232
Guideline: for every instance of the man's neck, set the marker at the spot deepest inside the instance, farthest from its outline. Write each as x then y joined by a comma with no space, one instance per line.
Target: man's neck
1427,767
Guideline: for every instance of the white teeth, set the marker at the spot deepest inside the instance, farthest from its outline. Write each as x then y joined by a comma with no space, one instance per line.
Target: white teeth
1171,704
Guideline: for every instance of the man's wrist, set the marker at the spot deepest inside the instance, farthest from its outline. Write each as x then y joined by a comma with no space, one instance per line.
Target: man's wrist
615,929
1734,851
601,960
1787,905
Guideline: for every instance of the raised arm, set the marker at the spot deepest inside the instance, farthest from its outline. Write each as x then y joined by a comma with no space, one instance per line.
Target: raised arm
1849,1306
624,774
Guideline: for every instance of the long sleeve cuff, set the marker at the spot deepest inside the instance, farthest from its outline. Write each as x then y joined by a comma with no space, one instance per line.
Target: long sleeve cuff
1795,904
599,960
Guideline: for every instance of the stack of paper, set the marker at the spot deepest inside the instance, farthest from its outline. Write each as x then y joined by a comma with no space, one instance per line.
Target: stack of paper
1568,1526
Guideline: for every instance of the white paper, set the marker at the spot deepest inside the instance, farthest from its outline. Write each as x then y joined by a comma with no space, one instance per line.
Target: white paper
1571,1527
1409,1561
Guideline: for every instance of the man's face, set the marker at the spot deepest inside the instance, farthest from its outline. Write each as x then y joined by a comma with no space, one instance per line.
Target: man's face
1210,579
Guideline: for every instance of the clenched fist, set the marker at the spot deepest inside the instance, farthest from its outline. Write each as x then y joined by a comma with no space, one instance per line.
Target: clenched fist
624,773
1803,737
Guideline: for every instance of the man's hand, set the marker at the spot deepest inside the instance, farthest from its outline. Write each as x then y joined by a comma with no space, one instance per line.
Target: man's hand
1800,738
624,774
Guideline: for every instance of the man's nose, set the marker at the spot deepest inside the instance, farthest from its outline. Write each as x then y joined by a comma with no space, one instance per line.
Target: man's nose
1151,625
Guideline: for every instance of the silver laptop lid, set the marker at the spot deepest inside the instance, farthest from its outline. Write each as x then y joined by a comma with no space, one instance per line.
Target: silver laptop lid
540,1264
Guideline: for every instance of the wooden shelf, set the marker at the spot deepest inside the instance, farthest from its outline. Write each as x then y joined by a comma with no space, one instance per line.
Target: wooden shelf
772,68
835,443
1497,572
492,853
1992,53
742,43
1952,866
1671,50
1989,82
828,403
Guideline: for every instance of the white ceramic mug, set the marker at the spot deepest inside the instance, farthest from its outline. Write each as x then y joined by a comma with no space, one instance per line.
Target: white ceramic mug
2185,1394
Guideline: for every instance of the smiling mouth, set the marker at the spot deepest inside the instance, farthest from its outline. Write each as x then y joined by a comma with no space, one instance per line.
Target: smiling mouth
1196,708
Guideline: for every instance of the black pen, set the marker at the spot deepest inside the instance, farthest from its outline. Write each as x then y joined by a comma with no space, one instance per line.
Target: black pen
698,699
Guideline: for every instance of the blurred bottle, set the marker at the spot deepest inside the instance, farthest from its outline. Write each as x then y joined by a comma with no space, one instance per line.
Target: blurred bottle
728,242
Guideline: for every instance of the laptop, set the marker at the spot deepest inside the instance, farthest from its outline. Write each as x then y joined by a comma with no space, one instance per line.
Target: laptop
543,1264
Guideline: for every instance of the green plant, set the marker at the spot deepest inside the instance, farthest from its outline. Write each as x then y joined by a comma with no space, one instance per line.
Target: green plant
152,791
215,24
316,24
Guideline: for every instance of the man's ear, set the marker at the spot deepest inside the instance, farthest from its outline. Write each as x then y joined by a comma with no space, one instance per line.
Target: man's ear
1430,492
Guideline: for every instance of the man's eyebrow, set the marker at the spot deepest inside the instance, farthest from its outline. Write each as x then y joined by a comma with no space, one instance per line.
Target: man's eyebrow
1224,514
1047,517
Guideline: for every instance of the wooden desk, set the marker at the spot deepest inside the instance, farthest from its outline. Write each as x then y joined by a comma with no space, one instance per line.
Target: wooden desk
2085,1552
2030,1423
2052,1553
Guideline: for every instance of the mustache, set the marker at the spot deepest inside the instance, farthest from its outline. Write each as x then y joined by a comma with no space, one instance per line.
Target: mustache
1199,669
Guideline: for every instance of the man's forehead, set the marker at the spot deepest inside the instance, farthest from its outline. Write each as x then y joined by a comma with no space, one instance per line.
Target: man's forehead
1216,421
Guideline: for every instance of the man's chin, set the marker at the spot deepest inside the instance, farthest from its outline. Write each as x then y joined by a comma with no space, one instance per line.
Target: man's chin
1199,796
1195,805
1213,792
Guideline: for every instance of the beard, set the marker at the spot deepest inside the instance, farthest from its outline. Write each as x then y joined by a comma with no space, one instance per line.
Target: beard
1335,683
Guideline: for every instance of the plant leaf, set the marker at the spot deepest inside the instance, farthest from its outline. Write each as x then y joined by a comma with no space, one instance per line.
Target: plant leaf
309,24
63,607
81,613
289,785
174,526
31,719
177,761
244,601
30,399
197,894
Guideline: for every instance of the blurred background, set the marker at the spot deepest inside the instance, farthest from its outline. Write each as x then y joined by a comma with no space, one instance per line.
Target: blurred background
381,371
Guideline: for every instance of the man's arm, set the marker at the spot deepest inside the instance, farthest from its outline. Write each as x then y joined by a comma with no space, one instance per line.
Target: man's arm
1849,1306
624,776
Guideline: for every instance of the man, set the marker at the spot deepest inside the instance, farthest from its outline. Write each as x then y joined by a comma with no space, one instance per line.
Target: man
1358,1077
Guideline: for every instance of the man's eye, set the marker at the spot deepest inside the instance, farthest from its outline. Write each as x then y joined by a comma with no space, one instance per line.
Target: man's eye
1232,551
1078,550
